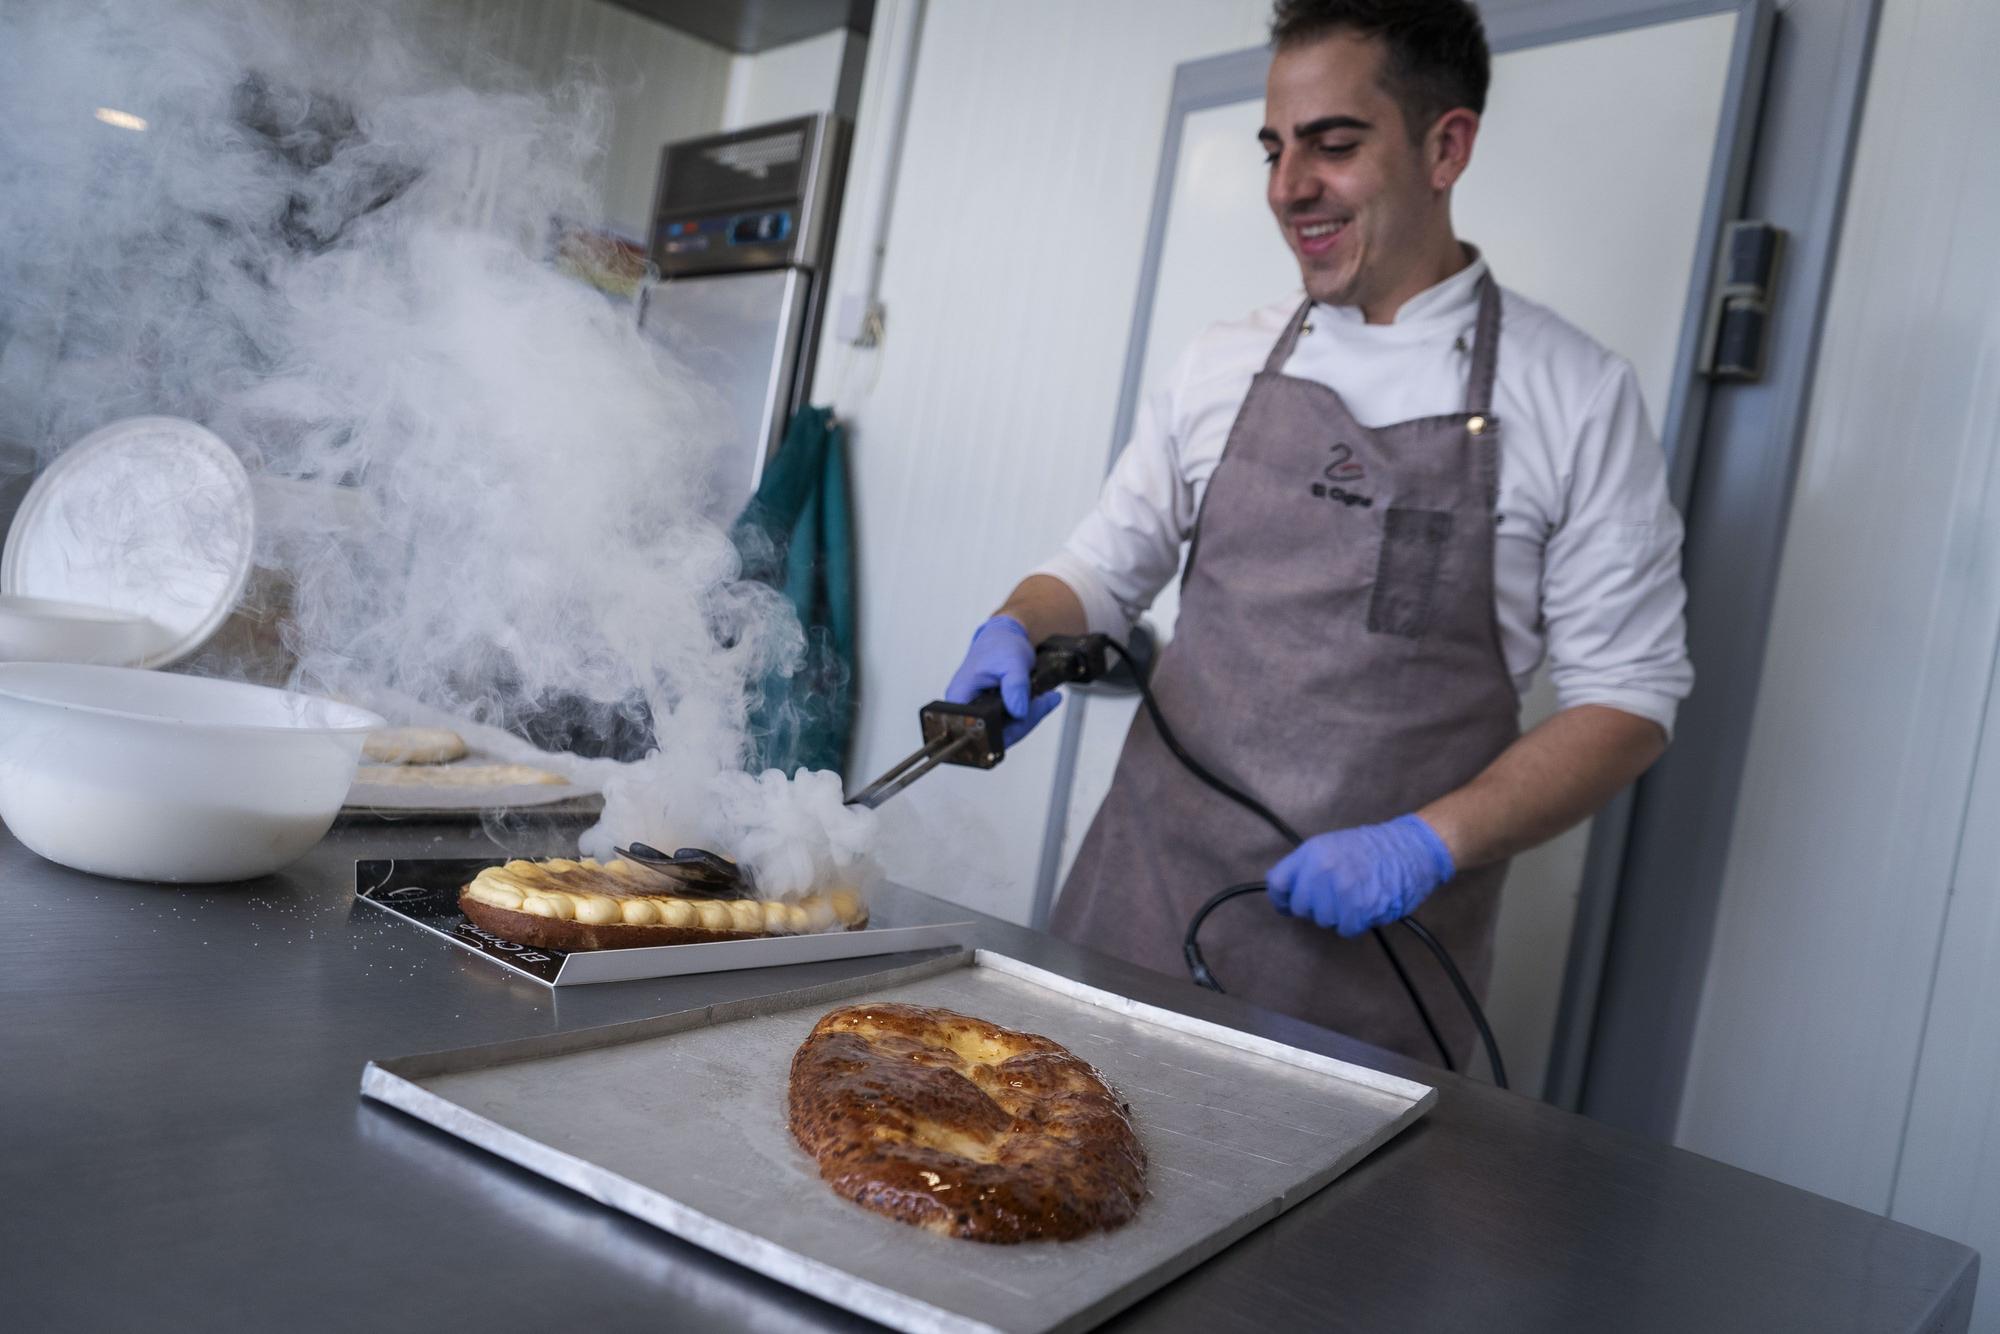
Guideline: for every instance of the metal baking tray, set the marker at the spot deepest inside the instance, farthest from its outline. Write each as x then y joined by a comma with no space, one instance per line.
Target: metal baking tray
564,804
424,892
680,1121
574,796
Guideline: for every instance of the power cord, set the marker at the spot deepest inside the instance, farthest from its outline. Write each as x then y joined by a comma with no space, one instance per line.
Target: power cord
1464,990
1198,966
1191,948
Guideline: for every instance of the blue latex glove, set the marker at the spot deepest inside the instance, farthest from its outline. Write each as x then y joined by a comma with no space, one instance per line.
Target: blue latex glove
1355,879
1001,655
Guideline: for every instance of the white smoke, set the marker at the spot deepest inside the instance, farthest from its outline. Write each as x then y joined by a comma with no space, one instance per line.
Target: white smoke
333,253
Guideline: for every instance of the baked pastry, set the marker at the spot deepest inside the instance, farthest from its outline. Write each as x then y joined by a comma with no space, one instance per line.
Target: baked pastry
570,905
414,745
963,1127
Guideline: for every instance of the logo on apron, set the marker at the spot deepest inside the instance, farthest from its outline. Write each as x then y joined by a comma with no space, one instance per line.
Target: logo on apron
1342,468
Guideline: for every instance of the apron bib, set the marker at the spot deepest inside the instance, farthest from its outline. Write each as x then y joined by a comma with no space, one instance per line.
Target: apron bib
1337,657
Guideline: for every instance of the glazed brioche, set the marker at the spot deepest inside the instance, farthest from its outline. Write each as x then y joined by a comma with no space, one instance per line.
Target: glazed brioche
585,905
962,1127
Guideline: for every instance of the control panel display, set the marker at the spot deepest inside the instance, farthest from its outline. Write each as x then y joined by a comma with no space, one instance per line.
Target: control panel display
749,199
694,235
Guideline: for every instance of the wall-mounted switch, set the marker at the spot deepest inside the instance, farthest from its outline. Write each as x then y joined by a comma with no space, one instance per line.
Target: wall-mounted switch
1739,314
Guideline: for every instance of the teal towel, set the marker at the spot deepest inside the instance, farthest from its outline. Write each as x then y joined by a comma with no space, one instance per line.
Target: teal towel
797,535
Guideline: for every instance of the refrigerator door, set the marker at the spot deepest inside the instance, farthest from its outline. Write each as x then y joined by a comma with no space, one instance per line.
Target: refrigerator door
738,333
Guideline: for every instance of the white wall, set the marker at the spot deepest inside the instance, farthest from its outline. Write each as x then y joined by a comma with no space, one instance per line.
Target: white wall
981,428
797,79
664,84
1858,821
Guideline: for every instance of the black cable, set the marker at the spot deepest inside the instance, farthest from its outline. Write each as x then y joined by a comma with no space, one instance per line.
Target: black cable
1416,997
1191,948
1198,966
1194,766
1192,951
1458,983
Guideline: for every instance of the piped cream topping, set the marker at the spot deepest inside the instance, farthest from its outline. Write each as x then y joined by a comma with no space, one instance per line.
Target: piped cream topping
612,893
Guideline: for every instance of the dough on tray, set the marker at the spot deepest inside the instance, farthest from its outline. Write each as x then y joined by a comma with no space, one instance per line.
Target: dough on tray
414,745
457,775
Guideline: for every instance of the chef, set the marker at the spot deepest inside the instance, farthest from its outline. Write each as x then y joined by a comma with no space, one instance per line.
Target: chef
1399,496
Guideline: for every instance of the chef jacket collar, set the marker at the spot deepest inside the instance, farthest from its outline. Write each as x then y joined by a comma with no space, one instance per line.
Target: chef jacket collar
1445,307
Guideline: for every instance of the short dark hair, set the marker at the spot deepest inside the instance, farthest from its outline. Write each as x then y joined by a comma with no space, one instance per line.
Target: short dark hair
1437,58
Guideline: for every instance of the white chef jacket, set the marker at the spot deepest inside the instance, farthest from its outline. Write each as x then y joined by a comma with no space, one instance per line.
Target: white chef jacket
1586,567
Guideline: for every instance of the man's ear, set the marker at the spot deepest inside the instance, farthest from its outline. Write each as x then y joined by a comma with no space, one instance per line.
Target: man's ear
1448,147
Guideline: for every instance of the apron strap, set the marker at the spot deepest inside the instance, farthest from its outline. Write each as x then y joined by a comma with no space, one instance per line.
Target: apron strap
1281,352
1485,349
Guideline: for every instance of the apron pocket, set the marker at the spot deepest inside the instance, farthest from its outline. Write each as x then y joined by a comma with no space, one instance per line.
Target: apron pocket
1413,543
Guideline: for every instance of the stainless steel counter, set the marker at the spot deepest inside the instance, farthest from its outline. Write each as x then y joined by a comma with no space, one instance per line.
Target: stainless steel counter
184,1148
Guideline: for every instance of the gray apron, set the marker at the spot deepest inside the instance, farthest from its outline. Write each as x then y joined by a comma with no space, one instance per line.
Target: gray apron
1336,657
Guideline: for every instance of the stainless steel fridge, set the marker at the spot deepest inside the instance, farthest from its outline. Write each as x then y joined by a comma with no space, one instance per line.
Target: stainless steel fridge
742,236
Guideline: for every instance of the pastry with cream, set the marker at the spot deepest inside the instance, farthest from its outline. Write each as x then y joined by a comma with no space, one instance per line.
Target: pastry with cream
561,904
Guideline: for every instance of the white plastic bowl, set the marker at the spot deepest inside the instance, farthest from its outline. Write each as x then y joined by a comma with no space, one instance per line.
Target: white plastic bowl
151,776
47,630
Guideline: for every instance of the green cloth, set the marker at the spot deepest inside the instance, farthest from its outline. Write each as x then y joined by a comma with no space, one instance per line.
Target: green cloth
797,535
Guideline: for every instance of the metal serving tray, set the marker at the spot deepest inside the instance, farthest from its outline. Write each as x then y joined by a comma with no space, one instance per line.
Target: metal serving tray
680,1121
424,892
575,795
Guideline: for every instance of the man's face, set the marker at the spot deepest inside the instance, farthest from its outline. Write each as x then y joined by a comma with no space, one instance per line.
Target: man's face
1357,200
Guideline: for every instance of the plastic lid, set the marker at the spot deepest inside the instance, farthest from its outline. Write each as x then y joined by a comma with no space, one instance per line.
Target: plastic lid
152,516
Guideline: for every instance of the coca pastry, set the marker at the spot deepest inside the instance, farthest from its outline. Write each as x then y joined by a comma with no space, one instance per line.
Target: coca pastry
588,905
963,1127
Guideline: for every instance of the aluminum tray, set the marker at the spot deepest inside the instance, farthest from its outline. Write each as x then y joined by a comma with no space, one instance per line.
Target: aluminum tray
424,892
575,795
680,1121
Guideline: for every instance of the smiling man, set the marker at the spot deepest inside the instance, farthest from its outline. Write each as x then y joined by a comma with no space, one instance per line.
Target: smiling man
1400,495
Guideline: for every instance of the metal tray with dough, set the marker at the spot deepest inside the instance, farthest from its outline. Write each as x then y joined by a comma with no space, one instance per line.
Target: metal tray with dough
439,796
680,1121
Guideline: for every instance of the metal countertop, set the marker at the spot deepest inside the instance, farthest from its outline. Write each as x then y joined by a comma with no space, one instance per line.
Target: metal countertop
185,1148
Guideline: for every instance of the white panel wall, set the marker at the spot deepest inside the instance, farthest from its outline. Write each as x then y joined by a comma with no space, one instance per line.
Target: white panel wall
798,79
1593,152
1951,1149
1838,897
981,427
664,84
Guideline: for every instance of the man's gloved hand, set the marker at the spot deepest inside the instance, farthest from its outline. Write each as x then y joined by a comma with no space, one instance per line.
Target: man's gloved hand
1001,655
1354,879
